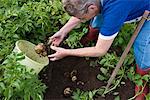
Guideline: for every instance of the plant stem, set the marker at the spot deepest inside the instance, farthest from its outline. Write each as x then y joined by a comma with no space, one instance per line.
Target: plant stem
138,92
114,87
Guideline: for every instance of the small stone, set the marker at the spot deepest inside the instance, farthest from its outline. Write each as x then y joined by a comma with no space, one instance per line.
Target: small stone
80,83
74,78
73,73
67,91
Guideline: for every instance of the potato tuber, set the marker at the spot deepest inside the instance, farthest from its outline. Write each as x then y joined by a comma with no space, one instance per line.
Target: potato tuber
41,49
68,91
74,78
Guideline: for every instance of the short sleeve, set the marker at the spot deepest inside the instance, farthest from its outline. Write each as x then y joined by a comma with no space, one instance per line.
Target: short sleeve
114,15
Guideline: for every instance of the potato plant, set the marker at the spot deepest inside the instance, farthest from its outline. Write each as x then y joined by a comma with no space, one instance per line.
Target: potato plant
16,83
139,80
82,95
32,20
109,61
124,35
73,40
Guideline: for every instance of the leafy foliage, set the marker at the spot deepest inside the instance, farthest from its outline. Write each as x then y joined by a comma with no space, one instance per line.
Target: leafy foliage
75,36
138,80
28,19
108,62
124,35
81,95
16,83
148,96
31,20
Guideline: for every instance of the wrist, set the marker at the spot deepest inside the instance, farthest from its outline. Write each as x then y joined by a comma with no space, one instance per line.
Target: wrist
67,52
62,32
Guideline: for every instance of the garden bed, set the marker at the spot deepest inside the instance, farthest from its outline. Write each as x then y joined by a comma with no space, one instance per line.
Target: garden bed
34,20
54,76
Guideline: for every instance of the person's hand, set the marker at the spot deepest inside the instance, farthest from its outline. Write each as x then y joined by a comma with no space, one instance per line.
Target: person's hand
56,39
59,54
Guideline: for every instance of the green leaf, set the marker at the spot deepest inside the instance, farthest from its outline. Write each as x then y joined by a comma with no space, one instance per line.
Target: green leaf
100,77
103,70
17,85
26,97
139,82
148,96
100,91
18,58
146,77
2,86
137,76
117,98
90,95
8,92
102,61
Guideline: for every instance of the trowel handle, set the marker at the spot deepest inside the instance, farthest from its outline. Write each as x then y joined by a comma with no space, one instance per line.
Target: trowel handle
119,64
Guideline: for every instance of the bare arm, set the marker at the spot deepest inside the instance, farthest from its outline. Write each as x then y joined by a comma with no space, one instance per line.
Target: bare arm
73,22
58,37
100,49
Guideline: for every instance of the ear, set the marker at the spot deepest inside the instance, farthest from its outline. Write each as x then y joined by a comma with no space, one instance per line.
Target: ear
92,8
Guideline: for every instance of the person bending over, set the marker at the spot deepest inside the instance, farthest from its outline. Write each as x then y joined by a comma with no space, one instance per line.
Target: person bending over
106,18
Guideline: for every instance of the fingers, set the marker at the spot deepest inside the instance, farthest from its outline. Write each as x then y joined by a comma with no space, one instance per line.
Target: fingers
54,47
56,56
55,44
50,39
54,41
52,57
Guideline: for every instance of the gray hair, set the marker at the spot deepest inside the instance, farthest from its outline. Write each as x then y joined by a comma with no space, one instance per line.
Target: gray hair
77,7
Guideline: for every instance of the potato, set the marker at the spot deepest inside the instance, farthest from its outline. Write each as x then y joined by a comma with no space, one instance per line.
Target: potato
41,49
68,91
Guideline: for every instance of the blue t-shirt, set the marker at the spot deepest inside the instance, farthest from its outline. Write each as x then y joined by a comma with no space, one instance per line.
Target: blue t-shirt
116,12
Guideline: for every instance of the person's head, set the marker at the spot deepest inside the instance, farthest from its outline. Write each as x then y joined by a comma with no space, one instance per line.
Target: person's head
82,9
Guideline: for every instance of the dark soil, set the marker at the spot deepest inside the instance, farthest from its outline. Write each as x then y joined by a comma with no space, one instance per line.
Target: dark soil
55,76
